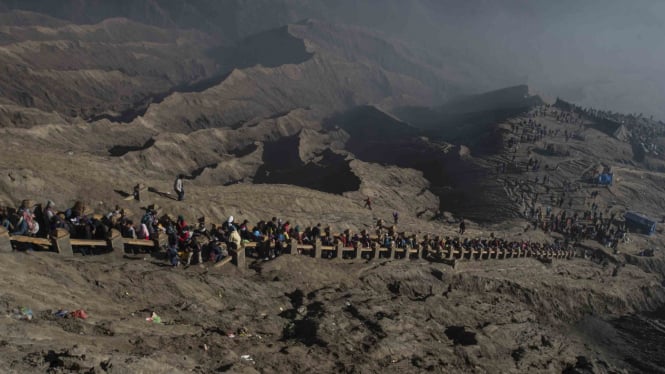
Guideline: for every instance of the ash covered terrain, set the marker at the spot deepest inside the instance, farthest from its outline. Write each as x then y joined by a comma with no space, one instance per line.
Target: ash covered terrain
343,115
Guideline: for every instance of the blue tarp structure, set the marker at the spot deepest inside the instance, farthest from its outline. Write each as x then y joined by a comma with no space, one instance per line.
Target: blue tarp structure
605,179
640,223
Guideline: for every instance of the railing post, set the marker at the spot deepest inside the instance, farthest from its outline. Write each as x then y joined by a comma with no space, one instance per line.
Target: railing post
294,246
424,250
61,242
156,238
318,252
419,253
116,243
358,252
5,242
238,257
339,253
375,254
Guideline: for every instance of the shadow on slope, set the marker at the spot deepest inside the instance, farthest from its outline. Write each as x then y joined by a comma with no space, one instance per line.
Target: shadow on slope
121,150
282,165
460,184
471,120
271,48
139,109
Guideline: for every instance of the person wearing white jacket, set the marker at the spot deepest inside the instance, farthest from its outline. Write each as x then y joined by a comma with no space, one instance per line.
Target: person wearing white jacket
179,188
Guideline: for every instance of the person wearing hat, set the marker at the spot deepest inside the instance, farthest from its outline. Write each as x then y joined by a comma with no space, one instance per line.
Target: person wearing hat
201,228
184,237
226,226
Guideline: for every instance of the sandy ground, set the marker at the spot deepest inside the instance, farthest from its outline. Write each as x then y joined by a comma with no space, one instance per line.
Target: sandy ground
298,314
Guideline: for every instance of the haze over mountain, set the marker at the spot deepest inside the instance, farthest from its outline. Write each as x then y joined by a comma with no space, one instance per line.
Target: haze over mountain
218,90
605,54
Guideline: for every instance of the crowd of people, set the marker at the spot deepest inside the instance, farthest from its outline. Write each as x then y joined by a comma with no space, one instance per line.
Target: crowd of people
32,219
642,130
197,243
555,209
188,244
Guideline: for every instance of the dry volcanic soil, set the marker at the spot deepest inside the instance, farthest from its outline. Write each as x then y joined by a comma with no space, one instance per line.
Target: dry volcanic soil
270,114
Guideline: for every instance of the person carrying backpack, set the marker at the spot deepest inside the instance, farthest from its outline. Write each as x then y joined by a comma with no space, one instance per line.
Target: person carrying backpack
172,244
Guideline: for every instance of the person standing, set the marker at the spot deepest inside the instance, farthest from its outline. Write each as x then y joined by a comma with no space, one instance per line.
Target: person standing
137,192
195,249
395,216
179,188
368,203
462,226
235,241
